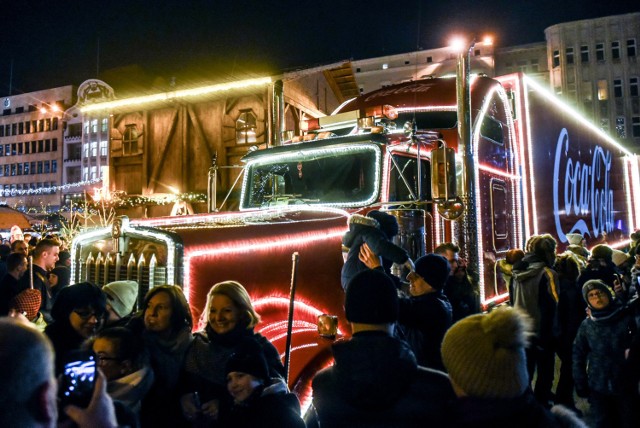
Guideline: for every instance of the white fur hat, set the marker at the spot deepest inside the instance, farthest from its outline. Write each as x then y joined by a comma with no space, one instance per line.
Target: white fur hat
619,257
574,238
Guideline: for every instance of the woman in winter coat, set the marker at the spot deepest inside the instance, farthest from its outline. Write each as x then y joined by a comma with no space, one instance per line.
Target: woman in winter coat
258,399
78,312
229,319
164,324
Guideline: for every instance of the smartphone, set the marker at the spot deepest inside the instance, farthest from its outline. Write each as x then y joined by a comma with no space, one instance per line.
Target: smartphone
77,382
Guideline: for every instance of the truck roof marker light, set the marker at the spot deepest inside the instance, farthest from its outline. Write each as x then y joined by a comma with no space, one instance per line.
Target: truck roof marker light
386,110
183,93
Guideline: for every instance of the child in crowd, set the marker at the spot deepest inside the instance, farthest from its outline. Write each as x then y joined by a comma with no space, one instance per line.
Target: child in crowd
257,399
599,354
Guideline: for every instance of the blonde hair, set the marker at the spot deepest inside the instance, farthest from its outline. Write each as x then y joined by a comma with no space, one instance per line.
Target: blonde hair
240,298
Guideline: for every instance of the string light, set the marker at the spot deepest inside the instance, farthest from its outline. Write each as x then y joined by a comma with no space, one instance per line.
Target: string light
50,189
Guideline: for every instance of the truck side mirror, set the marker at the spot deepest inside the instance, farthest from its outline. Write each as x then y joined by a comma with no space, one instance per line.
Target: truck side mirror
443,174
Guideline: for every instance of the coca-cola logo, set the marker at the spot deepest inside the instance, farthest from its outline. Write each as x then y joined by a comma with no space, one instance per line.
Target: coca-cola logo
585,189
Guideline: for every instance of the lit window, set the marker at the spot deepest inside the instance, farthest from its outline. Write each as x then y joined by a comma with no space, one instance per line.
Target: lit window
105,124
556,59
103,148
385,66
603,92
94,148
94,125
130,138
620,128
246,127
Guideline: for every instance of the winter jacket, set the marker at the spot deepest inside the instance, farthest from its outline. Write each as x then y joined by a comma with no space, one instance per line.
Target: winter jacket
65,341
268,407
422,322
462,296
376,382
161,405
521,412
132,388
599,351
363,230
534,289
204,366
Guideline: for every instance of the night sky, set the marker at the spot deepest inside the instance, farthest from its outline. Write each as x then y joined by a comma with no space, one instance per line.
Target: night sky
56,43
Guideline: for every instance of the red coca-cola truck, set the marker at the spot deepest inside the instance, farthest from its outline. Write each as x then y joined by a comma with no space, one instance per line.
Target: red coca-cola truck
486,171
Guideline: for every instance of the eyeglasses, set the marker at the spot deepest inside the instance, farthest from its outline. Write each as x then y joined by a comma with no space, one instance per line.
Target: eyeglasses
86,315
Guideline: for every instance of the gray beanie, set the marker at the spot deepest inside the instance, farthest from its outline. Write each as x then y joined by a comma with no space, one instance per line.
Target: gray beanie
121,296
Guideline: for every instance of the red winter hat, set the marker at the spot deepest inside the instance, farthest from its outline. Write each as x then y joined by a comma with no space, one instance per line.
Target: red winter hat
27,301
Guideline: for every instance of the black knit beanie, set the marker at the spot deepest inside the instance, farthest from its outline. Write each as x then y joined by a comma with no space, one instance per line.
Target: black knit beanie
371,298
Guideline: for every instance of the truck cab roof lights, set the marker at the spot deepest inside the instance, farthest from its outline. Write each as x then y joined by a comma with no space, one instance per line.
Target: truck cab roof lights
386,110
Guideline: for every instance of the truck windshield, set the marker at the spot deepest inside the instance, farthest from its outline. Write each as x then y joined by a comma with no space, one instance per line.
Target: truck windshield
337,175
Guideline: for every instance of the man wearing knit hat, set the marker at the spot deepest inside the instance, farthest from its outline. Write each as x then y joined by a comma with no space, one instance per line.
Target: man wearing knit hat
485,357
599,356
121,301
425,316
375,380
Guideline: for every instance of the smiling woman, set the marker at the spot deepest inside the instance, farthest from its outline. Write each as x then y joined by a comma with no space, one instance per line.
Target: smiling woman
228,320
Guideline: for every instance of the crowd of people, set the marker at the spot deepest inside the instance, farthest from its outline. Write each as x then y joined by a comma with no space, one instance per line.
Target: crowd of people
420,353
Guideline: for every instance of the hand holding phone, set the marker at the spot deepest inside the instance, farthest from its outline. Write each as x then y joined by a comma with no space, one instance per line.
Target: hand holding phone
77,382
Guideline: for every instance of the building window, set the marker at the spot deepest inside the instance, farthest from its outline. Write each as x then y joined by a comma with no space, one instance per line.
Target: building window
47,125
85,149
615,50
19,169
33,168
105,124
631,47
584,53
19,148
635,126
54,145
358,70
26,168
130,139
617,88
604,124
94,172
94,148
103,148
556,59
603,92
600,51
54,166
85,173
534,65
40,167
54,124
633,88
94,125
47,145
569,55
620,128
429,59
86,127
46,167
246,127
